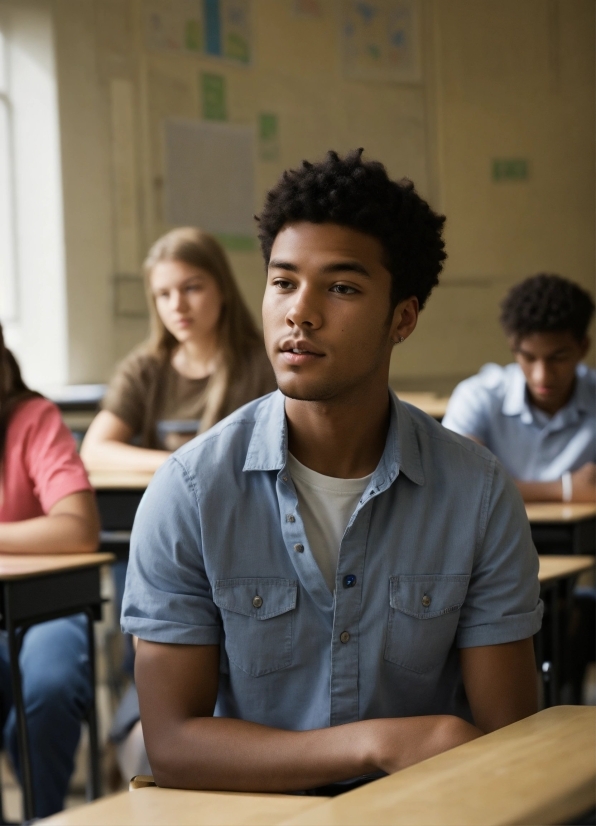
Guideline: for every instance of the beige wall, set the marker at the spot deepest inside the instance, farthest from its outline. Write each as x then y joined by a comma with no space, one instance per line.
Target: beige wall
500,80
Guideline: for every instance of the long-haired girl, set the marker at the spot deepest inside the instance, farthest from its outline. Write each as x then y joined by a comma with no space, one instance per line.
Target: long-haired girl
204,358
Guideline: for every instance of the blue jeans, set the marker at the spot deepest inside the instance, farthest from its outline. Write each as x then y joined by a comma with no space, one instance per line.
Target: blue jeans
54,663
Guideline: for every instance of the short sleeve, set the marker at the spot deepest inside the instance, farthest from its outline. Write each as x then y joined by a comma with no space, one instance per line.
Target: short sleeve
503,603
168,595
127,393
50,455
469,410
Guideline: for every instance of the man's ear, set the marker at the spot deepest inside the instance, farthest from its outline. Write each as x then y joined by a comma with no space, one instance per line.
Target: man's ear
404,320
584,347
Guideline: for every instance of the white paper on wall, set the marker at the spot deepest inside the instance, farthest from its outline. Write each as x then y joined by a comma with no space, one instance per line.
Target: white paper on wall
209,176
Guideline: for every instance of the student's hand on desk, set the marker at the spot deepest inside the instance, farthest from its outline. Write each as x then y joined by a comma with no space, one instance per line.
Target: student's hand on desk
401,742
584,483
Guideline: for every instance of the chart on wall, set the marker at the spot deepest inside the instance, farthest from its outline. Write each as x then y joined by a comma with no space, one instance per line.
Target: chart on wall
217,28
380,40
209,179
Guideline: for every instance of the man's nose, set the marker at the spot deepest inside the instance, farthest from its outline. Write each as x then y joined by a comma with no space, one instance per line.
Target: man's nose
305,310
540,372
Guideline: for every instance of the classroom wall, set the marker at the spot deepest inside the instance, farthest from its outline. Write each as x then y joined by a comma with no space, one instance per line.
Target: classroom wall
499,81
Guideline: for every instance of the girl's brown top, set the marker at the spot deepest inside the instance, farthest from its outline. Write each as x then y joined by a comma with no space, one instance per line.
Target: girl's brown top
164,408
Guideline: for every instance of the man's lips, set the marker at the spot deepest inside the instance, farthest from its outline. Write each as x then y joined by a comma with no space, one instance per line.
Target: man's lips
299,352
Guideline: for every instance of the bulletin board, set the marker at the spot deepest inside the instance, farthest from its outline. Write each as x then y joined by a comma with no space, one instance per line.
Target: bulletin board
233,98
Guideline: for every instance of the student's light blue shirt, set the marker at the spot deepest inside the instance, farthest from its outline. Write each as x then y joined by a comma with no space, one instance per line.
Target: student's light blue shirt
437,556
493,406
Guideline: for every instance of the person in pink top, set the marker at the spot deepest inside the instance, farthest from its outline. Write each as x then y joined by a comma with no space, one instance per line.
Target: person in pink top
46,506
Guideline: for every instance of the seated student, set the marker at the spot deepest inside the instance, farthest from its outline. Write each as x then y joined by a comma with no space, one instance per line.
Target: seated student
46,506
205,358
329,585
538,416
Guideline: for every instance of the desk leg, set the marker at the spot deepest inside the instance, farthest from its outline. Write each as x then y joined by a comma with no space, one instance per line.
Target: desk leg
94,760
556,644
17,694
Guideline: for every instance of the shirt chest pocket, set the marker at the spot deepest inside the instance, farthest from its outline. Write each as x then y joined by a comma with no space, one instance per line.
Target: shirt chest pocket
257,615
423,618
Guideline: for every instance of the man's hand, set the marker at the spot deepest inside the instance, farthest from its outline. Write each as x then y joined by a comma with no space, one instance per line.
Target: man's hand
584,483
189,748
399,743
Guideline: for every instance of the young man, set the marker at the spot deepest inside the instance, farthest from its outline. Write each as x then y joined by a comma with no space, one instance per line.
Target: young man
328,585
538,416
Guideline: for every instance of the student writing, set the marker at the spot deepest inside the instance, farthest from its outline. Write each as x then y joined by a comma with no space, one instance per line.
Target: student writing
329,585
204,358
538,416
46,506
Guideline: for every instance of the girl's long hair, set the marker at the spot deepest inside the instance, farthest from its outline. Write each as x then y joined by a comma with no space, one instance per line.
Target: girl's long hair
237,332
13,390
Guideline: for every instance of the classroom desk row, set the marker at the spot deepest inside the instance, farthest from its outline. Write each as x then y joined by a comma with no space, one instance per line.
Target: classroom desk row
538,770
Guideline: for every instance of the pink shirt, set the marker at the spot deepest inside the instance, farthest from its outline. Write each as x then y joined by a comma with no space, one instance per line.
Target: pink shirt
40,464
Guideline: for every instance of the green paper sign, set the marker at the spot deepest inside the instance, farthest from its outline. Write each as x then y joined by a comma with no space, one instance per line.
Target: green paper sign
268,136
214,97
510,169
193,36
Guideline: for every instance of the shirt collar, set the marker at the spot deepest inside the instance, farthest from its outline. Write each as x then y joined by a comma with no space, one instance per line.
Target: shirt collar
268,448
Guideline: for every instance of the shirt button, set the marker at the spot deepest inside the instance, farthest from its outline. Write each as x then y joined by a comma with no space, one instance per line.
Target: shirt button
257,602
344,636
290,517
299,547
349,581
426,600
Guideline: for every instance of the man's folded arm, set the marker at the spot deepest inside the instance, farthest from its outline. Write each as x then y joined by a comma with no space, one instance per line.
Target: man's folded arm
189,748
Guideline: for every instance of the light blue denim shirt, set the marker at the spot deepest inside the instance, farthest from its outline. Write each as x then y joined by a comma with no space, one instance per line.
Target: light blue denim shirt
439,546
493,406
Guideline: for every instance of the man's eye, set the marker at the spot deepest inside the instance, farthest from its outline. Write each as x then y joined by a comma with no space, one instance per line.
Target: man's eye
282,283
343,289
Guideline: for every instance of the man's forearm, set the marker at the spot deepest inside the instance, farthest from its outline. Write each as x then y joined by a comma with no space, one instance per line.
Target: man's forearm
234,755
540,491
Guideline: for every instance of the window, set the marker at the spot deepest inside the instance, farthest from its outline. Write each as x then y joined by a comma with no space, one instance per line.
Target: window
8,274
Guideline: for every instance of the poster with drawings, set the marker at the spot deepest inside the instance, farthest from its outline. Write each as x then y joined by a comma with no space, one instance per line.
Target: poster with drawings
380,40
216,28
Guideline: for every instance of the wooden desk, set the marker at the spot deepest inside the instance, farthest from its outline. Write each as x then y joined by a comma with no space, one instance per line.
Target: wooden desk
118,495
156,807
35,589
540,770
119,480
429,403
553,568
563,528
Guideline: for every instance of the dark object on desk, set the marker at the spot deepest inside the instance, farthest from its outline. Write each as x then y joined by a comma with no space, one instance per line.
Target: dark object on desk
76,397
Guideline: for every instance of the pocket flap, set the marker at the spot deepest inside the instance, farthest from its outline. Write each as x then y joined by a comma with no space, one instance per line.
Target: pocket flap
259,597
426,596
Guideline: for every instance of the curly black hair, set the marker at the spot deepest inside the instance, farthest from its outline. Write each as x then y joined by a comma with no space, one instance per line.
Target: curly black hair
546,303
359,194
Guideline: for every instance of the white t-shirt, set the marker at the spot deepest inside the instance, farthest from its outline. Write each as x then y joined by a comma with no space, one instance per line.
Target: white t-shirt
326,505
